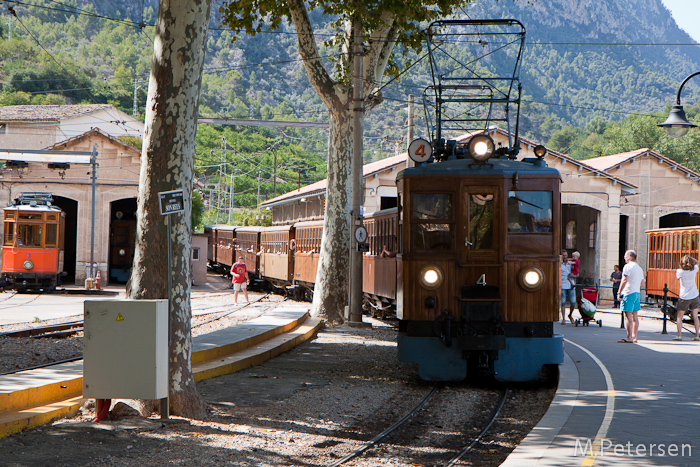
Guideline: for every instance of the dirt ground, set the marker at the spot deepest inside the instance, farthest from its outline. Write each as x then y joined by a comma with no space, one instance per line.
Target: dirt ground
307,407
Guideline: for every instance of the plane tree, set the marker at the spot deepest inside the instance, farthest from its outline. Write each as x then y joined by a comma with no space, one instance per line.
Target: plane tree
167,164
382,25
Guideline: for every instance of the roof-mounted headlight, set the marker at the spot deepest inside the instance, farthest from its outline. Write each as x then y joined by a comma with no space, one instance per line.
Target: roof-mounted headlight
481,148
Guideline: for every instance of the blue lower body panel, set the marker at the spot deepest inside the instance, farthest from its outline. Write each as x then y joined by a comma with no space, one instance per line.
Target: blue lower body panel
523,357
520,361
435,361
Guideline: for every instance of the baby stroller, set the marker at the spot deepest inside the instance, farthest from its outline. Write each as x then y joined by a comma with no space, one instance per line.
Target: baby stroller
587,307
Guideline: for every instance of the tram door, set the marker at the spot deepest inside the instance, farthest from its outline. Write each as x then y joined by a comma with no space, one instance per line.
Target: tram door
479,238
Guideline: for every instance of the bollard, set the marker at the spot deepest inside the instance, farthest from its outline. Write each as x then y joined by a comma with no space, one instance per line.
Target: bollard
664,307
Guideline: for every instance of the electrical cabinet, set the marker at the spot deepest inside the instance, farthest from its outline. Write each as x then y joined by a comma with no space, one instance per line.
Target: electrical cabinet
125,349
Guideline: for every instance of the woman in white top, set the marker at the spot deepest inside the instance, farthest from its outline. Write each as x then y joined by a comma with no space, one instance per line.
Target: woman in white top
688,298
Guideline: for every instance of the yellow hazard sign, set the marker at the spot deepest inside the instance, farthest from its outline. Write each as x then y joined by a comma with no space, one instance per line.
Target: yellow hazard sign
120,317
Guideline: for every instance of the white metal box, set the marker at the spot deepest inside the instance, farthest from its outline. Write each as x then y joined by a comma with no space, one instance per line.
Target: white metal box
125,349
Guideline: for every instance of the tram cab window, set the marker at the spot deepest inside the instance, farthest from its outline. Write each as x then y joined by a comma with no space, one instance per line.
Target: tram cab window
530,211
431,219
29,235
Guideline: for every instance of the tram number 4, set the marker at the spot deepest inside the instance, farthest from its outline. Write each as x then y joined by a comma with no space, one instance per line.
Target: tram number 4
482,280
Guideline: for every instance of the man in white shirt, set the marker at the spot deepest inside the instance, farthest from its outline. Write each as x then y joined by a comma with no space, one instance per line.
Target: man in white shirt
630,295
567,291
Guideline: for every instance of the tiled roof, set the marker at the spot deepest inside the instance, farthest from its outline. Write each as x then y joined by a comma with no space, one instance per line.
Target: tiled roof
320,186
612,162
585,164
43,113
62,145
608,162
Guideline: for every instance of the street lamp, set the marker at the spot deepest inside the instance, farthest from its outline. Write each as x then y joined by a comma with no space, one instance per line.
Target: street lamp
677,125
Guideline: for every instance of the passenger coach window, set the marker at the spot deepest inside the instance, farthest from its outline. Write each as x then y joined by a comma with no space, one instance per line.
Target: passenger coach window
430,222
529,211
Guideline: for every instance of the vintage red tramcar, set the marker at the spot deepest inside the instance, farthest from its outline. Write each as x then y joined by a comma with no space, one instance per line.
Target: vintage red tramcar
33,243
666,248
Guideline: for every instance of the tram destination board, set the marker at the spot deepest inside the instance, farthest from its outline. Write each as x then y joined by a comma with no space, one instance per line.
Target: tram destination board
171,202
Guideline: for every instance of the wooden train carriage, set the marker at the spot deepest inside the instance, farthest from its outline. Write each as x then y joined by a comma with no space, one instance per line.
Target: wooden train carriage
307,249
33,245
276,259
478,254
221,247
248,244
379,263
666,248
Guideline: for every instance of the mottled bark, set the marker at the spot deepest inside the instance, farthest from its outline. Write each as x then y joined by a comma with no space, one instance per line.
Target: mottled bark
332,278
331,290
167,164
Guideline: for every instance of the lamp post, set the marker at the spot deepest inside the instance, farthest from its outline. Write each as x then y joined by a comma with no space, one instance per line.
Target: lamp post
677,125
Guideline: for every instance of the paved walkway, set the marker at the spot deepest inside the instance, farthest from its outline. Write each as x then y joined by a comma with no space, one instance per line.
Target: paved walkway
620,404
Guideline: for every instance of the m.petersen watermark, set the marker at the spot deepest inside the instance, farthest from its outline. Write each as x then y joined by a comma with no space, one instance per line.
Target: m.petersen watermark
610,449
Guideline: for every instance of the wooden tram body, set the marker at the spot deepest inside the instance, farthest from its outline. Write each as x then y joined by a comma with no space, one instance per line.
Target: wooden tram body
469,236
482,229
666,248
33,242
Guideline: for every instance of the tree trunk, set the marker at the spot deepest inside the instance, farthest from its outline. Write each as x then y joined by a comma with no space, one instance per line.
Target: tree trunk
167,164
331,290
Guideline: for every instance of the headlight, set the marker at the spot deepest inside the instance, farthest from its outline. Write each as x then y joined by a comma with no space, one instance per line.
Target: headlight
431,277
531,278
28,265
481,148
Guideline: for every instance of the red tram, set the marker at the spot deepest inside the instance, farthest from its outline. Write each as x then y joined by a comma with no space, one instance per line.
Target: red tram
33,242
666,248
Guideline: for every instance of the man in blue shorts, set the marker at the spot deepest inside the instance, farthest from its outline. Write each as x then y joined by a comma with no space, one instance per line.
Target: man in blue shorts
630,295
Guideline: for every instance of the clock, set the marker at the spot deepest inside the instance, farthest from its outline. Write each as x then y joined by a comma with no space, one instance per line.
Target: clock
360,234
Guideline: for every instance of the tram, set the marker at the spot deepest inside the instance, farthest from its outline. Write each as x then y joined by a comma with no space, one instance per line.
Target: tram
33,243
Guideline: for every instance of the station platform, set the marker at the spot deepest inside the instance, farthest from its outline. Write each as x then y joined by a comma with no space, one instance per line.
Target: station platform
34,397
620,404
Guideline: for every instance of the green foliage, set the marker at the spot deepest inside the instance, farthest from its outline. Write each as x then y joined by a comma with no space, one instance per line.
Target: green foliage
197,211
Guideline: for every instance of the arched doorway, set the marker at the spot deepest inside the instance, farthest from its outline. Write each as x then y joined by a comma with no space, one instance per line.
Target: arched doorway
679,219
70,207
581,232
122,239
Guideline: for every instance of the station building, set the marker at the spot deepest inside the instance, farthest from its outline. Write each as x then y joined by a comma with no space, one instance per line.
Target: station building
608,202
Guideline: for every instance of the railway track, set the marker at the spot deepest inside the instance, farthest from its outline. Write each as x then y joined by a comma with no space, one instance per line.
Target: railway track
413,417
237,313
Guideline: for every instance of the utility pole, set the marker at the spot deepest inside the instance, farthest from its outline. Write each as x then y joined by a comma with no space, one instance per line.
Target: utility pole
274,178
230,200
409,136
259,172
356,216
222,176
135,109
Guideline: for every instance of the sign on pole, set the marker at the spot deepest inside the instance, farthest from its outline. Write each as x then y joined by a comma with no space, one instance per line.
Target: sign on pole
171,202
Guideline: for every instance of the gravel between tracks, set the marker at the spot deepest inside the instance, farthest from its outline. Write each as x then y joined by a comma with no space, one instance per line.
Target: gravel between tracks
309,406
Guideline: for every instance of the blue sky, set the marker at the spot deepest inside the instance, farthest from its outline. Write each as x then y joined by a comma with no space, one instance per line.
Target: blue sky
687,15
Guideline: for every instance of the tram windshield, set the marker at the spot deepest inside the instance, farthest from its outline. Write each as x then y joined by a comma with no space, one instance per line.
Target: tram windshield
29,235
529,211
431,221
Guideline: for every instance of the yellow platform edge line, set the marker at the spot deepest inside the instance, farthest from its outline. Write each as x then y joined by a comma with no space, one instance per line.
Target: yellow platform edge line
56,405
218,352
62,390
259,354
14,422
